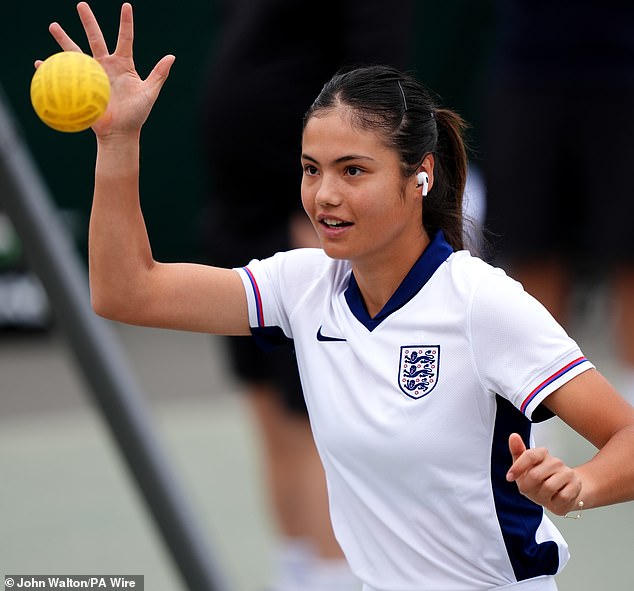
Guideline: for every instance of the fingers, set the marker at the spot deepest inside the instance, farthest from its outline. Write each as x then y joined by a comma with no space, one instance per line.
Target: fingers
543,478
93,31
94,34
126,32
63,40
555,489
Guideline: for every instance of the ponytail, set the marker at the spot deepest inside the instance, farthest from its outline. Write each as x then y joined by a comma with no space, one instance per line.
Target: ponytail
442,209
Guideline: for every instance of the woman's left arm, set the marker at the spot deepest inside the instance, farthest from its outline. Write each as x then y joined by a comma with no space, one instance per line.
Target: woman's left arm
591,406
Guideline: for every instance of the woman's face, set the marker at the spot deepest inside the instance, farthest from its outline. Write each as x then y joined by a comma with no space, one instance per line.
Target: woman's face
355,194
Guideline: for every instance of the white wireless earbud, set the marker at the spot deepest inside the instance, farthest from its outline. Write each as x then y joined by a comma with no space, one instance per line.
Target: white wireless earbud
422,178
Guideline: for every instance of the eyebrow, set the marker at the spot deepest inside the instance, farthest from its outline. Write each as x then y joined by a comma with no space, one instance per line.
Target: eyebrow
340,159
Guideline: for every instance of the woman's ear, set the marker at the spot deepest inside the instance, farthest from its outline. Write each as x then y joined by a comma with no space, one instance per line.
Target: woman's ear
425,175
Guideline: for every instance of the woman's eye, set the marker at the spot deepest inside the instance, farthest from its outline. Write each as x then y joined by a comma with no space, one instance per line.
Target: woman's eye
310,170
353,171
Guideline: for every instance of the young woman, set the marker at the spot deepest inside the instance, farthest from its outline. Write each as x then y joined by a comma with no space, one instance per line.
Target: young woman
422,366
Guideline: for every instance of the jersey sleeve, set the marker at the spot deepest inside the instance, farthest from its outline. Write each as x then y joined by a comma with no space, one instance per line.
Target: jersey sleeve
274,288
520,351
267,317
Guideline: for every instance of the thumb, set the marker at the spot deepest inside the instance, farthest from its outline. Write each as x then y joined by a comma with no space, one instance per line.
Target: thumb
516,446
160,72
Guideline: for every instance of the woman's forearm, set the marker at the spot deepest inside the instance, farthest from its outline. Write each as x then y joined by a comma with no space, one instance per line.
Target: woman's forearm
608,478
119,249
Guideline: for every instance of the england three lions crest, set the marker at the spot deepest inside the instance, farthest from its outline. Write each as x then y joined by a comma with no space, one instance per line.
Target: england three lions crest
418,370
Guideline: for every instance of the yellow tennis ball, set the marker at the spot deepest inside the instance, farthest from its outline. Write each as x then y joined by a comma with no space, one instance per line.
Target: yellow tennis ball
70,91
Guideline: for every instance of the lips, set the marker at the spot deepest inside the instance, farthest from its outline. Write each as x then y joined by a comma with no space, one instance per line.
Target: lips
333,223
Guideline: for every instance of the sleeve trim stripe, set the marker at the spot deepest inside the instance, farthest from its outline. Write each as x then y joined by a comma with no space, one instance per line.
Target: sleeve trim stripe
550,380
257,295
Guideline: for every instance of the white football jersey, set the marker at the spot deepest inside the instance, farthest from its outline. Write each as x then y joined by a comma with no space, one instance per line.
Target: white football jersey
412,409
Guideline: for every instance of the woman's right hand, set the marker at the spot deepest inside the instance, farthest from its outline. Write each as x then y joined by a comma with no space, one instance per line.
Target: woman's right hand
131,98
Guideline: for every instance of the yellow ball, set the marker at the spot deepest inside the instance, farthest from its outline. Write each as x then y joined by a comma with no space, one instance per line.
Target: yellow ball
70,91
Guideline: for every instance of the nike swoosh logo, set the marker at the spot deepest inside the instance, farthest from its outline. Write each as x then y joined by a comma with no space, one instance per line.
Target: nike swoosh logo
323,337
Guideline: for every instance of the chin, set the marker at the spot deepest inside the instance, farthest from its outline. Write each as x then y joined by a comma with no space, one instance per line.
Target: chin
335,252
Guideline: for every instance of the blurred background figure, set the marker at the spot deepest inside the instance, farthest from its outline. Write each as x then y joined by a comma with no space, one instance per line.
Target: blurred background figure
269,63
558,154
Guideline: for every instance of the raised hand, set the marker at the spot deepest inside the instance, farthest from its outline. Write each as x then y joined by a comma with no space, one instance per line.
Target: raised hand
543,478
131,98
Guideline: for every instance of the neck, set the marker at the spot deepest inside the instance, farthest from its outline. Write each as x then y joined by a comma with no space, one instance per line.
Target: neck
379,280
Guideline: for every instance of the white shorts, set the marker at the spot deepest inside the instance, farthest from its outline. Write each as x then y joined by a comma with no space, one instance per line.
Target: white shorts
546,583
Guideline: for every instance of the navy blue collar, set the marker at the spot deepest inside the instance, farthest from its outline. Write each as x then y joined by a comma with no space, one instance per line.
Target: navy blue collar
436,253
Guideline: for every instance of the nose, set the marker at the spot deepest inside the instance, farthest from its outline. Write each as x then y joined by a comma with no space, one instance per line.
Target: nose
328,192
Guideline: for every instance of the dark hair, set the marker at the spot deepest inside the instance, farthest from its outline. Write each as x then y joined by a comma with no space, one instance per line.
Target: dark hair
397,106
